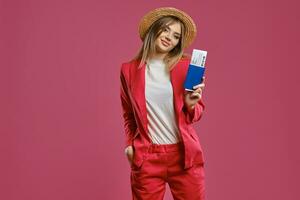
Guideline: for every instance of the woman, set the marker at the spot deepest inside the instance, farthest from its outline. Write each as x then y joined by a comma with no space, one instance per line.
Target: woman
161,145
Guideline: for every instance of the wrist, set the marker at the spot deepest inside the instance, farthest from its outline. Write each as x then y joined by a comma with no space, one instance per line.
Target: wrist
190,109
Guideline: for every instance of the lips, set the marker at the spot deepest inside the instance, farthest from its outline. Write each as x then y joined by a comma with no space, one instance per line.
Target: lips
166,44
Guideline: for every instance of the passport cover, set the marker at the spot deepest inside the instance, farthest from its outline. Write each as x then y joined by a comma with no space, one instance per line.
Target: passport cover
194,77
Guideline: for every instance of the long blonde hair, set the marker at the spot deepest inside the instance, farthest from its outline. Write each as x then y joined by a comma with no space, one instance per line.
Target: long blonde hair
148,47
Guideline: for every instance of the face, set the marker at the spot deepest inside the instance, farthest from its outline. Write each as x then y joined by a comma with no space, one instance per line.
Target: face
168,38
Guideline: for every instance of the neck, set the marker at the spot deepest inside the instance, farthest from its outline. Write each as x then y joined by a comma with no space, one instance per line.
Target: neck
158,56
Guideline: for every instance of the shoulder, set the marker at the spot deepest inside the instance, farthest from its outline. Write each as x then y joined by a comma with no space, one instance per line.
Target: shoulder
128,65
185,59
181,67
186,56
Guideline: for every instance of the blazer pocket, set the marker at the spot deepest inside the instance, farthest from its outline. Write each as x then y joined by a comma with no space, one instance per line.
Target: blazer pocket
136,158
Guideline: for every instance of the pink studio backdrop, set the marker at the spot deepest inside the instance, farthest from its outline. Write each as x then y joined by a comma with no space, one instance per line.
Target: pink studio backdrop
62,132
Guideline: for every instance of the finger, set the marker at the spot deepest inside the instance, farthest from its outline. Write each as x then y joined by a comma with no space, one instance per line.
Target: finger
195,96
187,91
199,90
201,85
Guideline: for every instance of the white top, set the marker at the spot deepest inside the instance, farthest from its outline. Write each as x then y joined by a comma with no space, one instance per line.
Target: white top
162,124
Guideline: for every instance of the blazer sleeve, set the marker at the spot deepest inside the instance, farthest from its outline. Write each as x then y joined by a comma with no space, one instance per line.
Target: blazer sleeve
130,125
195,114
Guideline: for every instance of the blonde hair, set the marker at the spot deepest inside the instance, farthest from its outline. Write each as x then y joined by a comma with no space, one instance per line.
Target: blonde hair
148,47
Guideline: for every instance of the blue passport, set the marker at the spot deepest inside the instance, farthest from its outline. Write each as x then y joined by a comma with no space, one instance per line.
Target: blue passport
196,69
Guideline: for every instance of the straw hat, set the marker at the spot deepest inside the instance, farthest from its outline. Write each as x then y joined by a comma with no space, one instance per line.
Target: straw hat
155,14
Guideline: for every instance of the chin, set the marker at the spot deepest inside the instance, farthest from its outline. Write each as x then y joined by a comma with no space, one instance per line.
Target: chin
165,49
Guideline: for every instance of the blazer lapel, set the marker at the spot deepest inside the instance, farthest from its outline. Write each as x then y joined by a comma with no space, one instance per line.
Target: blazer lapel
177,80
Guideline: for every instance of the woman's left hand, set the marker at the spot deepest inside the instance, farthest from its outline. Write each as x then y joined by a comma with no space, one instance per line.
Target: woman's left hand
191,98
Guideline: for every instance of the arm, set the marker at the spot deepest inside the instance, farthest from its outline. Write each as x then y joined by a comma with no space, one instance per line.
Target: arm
130,125
194,113
193,103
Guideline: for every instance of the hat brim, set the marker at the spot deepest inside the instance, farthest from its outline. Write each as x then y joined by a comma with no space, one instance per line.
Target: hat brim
148,19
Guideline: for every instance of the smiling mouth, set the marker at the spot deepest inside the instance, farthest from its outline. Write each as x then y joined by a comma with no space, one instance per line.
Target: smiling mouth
165,43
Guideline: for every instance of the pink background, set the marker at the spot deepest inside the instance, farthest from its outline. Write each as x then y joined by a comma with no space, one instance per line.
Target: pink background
61,128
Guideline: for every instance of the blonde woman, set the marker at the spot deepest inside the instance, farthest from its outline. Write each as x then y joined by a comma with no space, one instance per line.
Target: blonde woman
161,145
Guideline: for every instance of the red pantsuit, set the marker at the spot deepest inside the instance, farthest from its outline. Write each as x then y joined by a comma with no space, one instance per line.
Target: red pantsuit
180,165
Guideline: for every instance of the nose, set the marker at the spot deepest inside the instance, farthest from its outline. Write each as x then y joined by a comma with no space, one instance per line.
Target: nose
168,37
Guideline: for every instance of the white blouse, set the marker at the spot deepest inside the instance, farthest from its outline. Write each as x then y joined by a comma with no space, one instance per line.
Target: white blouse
162,124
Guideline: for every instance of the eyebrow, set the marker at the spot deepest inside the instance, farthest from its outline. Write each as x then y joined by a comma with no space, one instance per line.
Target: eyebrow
175,32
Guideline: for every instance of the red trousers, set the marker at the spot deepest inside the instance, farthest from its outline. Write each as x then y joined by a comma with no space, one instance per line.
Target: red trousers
164,164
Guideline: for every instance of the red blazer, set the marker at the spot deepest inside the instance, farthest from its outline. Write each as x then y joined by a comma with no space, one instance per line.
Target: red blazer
135,113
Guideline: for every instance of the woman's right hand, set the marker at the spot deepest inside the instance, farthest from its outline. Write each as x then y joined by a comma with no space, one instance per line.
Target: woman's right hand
129,153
